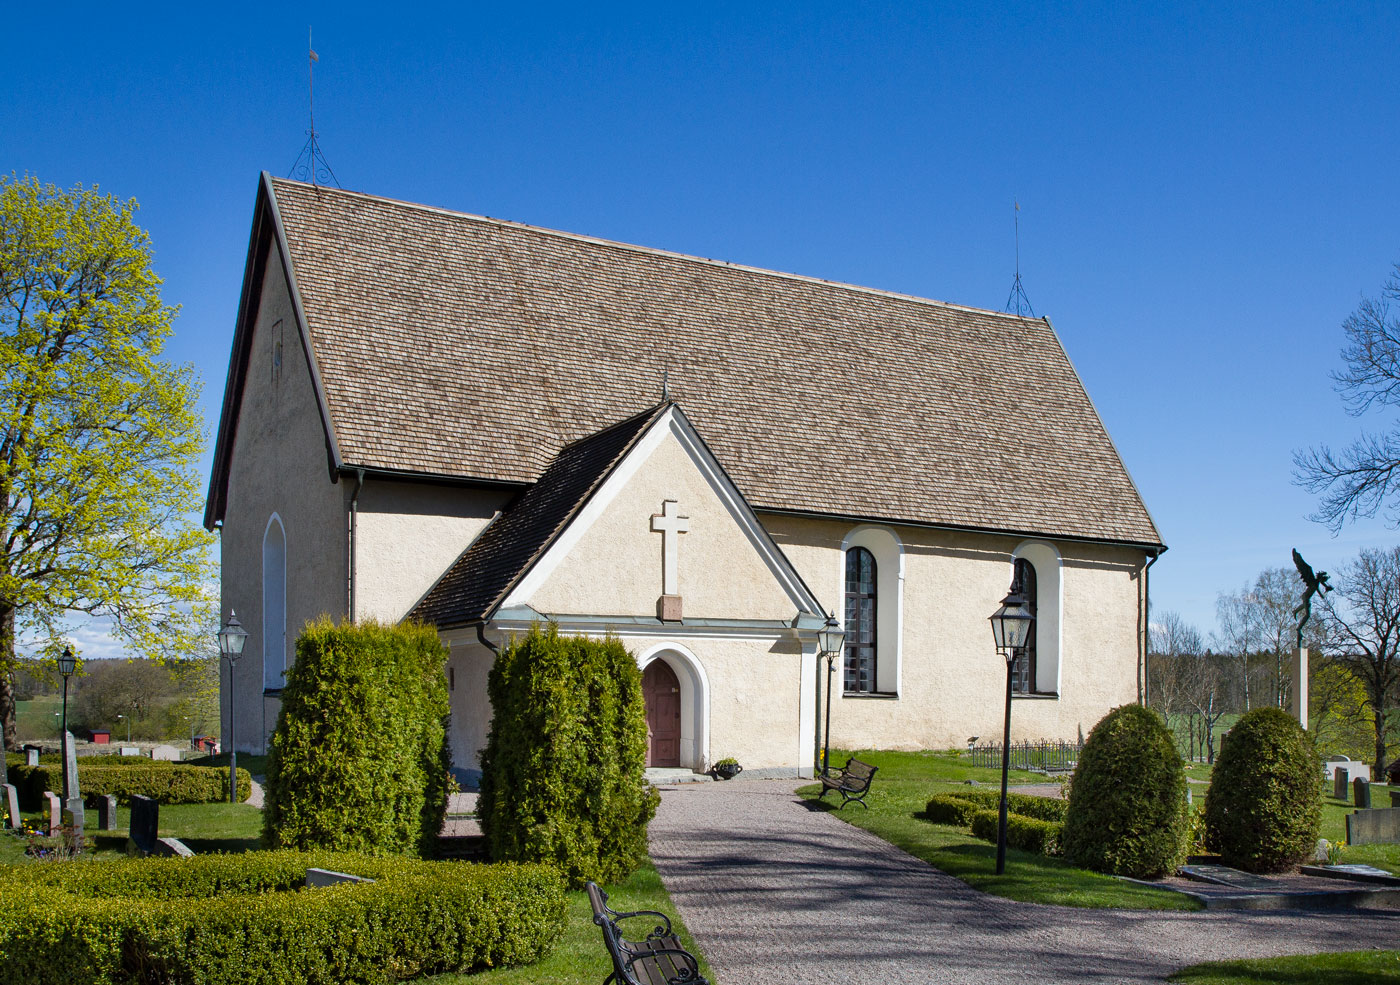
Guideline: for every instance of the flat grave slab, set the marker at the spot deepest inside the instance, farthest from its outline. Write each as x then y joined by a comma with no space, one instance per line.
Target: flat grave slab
1223,875
1357,872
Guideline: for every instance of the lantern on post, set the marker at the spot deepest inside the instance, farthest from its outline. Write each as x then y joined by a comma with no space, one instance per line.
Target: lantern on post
231,640
1011,628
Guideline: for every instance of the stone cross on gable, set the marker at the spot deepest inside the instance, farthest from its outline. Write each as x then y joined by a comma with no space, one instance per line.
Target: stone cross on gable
670,524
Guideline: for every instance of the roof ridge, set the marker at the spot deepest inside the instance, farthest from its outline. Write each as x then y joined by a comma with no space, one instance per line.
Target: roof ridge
657,251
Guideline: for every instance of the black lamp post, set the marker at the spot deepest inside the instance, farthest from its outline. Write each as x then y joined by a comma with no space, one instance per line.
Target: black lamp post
231,640
67,664
830,639
1011,627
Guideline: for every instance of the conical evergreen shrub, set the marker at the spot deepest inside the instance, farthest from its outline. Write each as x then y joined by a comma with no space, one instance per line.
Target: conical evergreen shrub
563,774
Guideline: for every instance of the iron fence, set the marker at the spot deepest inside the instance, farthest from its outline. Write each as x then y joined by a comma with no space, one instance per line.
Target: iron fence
1038,757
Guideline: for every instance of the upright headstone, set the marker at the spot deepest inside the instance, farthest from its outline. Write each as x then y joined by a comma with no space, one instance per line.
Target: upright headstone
130,750
169,753
11,806
145,825
106,806
53,813
1362,793
1299,698
31,755
1395,798
1339,784
72,797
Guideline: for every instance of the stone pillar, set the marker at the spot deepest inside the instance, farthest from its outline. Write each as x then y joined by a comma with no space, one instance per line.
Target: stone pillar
1299,699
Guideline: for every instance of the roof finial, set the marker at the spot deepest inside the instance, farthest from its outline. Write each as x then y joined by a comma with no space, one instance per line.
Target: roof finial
1018,293
316,169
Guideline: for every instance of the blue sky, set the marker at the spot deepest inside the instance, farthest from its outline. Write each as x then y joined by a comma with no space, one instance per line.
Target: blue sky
1207,190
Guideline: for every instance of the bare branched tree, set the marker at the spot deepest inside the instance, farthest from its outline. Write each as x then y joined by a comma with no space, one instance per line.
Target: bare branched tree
1363,619
1359,479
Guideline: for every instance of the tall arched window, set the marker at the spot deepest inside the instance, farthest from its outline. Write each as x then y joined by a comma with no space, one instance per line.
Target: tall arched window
274,604
1023,668
860,620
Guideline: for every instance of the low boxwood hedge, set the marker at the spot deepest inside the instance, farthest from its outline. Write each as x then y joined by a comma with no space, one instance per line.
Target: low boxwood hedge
1026,833
1042,808
166,782
948,808
242,919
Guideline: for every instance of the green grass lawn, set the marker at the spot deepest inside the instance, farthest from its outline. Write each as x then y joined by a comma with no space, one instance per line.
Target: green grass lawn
1346,968
580,958
203,827
904,785
37,720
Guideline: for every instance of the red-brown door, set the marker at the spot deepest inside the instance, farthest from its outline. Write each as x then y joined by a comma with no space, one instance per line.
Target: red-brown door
662,693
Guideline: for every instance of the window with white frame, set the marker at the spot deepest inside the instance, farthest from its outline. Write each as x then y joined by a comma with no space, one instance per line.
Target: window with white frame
1036,576
872,586
274,604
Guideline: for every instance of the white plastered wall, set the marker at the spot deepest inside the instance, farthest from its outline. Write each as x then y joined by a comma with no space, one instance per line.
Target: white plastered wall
278,465
953,682
407,535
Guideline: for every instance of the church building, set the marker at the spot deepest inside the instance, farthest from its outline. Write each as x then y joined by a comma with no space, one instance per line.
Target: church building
486,425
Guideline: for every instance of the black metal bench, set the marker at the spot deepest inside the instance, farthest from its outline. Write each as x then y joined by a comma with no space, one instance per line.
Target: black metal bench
853,782
657,959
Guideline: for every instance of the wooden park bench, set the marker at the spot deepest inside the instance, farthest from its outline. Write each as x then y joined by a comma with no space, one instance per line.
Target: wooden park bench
657,959
853,782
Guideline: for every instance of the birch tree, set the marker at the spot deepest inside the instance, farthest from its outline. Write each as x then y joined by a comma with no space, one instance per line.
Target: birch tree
98,436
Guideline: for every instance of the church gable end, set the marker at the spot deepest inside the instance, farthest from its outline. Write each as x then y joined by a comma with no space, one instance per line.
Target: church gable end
667,536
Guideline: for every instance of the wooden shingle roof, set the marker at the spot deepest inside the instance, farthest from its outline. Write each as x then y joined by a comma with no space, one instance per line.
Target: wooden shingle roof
455,345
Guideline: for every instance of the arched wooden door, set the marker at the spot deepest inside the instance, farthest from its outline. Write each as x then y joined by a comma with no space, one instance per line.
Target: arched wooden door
662,693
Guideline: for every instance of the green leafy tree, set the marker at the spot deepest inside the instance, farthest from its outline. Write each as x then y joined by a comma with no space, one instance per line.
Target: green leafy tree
98,436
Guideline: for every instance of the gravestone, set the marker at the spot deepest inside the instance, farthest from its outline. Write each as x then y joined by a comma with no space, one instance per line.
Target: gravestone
1339,784
325,877
106,807
1361,793
1395,798
31,755
129,751
174,847
145,825
1380,826
11,806
166,753
53,813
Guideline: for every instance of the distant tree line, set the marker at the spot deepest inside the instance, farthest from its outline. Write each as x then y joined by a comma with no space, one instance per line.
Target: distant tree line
158,700
1354,660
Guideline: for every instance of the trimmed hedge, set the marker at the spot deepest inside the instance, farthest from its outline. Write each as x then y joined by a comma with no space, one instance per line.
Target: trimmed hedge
563,773
1127,805
245,918
1027,805
948,808
1263,808
168,783
359,759
1026,833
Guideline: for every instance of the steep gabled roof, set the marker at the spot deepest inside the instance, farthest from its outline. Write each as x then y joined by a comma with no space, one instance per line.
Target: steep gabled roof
496,561
452,345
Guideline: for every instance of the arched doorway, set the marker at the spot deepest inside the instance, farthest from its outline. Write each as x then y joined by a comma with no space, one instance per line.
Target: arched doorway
661,691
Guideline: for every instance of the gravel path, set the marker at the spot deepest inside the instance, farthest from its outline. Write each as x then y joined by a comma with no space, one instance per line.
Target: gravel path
775,892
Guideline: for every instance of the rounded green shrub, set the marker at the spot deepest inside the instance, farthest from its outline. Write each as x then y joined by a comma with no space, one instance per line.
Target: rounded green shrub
359,761
1029,834
1127,805
1264,806
563,773
243,918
